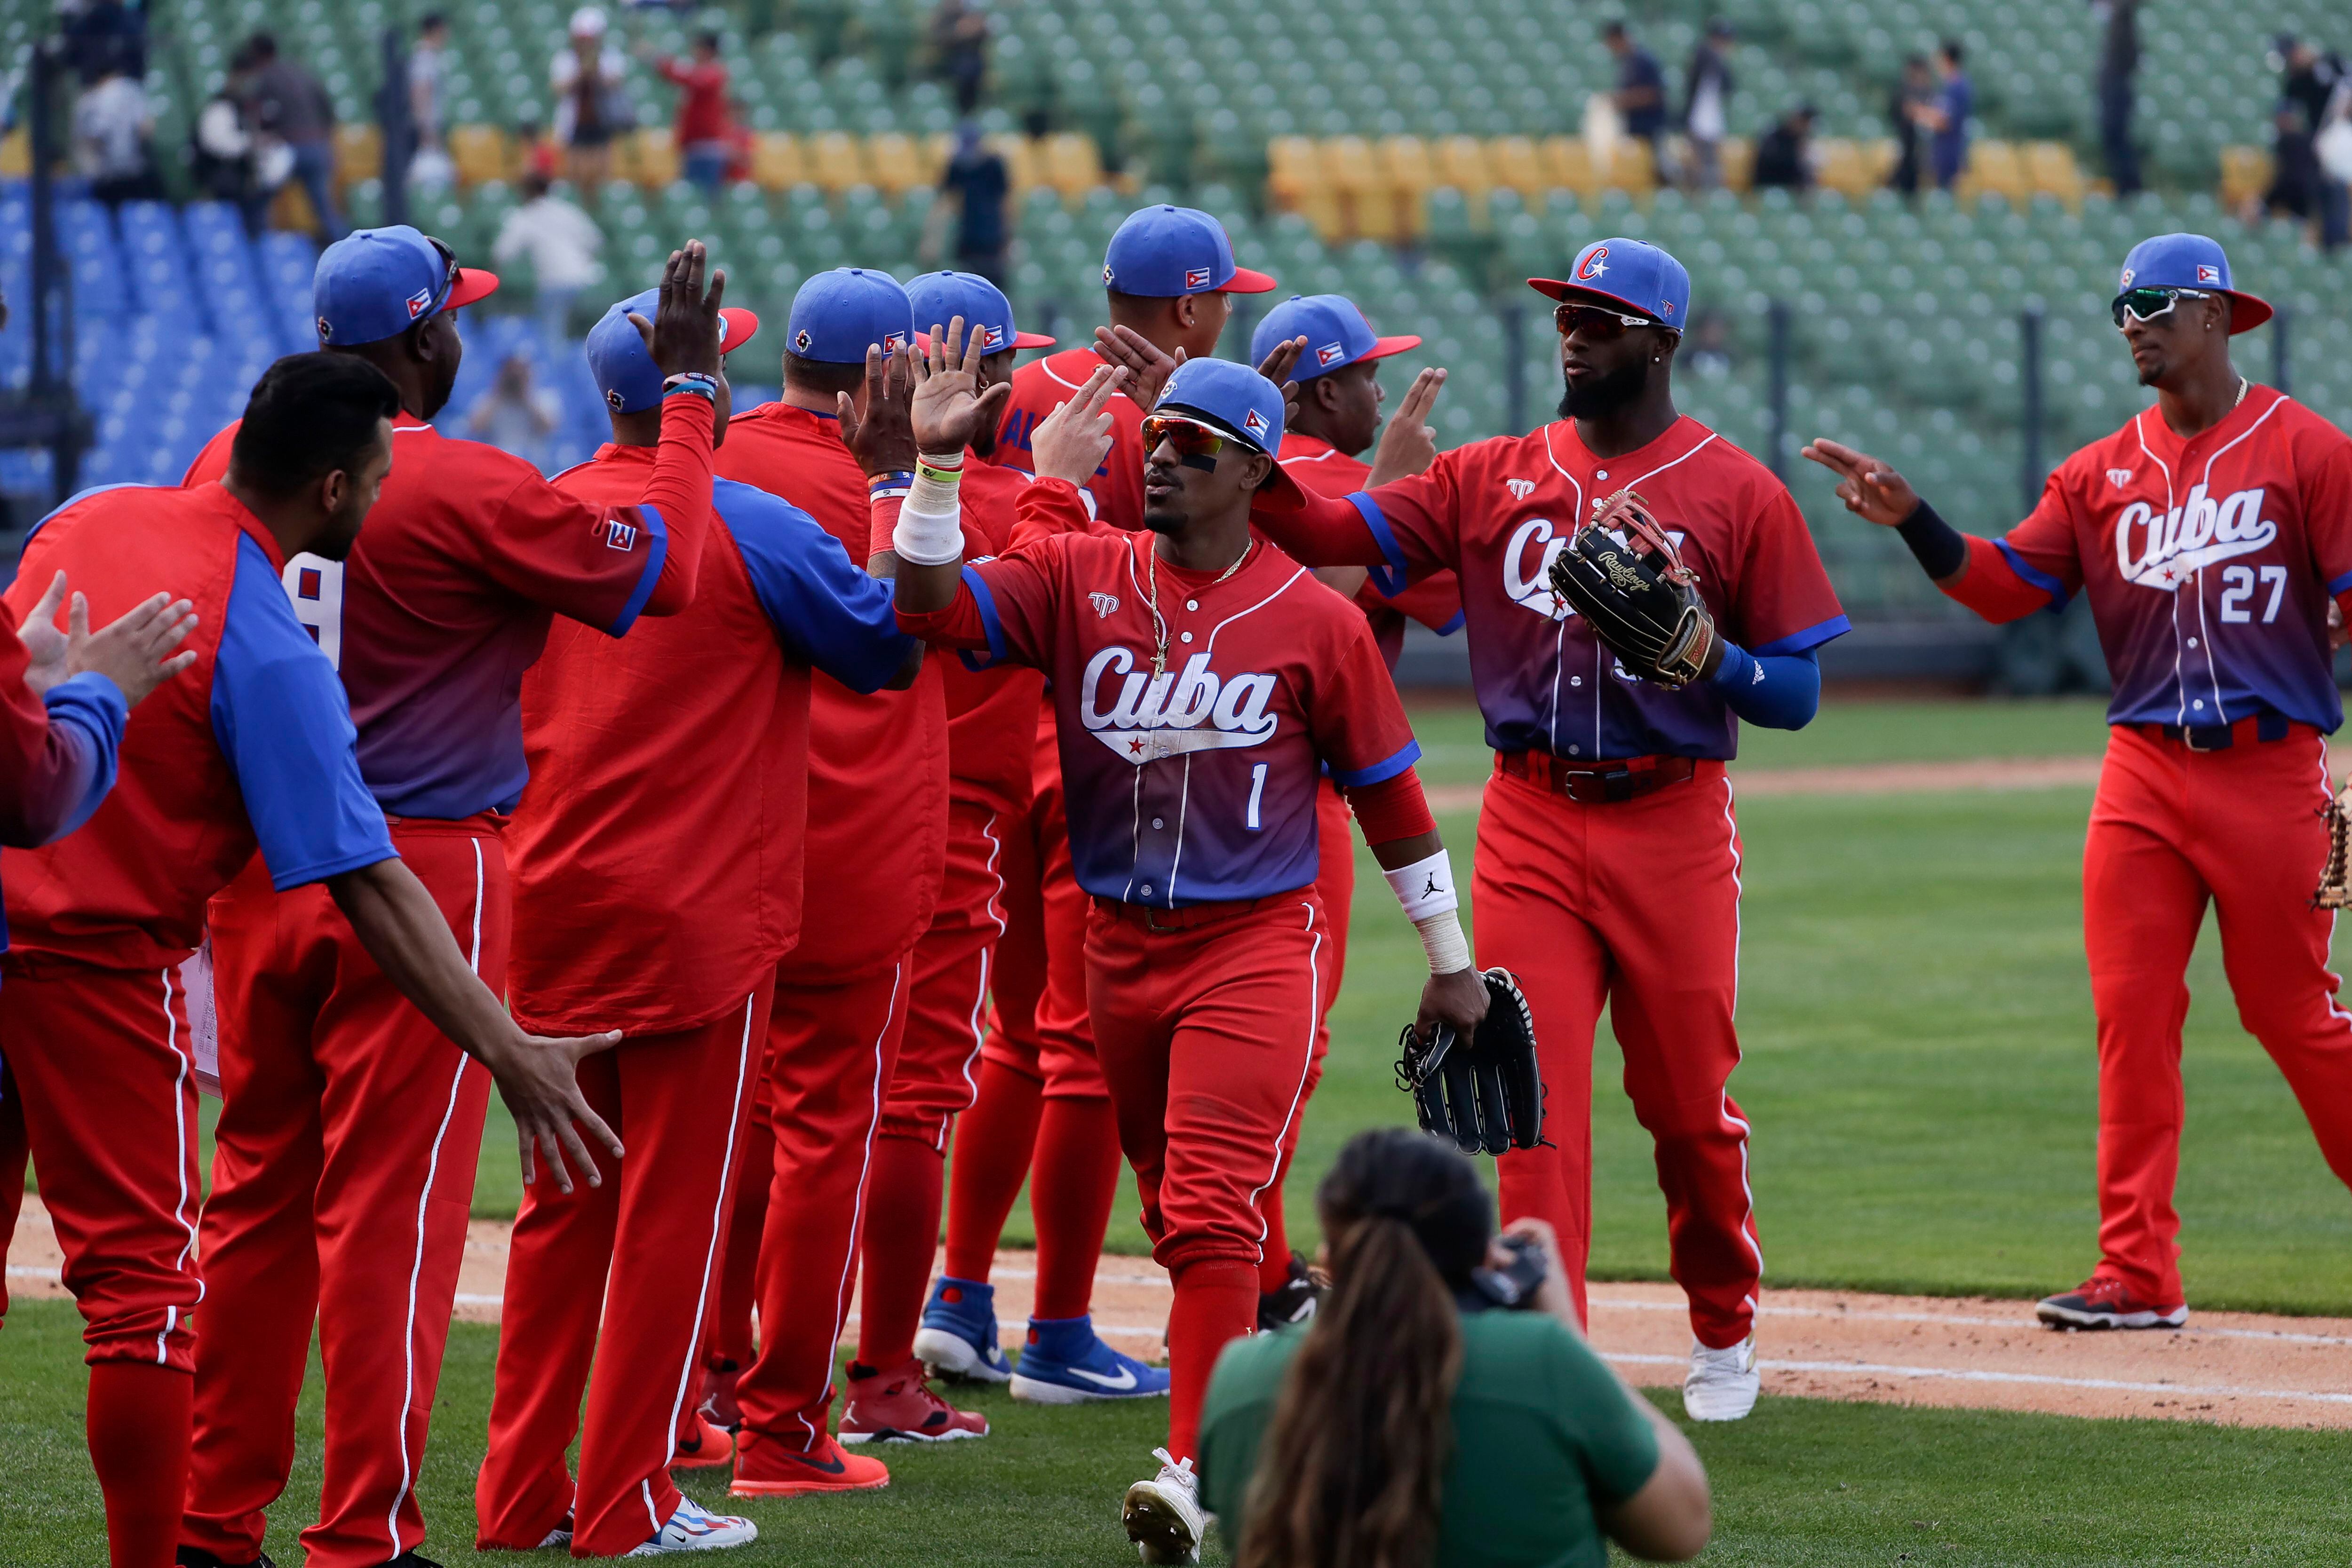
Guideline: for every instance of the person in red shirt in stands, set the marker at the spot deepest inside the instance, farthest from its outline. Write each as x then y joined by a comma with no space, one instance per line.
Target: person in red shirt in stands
705,132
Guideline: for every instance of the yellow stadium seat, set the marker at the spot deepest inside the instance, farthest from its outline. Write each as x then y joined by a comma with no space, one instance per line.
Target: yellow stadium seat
1294,169
1738,157
1840,167
359,153
1408,173
480,152
2245,174
1879,157
1367,208
1024,160
1516,163
645,157
16,154
836,161
895,163
1632,167
1461,163
1566,163
2050,170
290,210
1072,163
1994,170
777,163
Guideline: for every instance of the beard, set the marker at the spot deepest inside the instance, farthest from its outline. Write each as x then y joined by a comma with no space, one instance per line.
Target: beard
1605,395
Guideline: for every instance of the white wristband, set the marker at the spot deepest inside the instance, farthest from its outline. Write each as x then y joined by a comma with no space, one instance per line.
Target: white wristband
929,532
1426,887
1442,939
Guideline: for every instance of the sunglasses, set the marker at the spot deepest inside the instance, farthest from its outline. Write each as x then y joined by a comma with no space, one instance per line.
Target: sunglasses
449,260
1594,324
2147,304
1190,437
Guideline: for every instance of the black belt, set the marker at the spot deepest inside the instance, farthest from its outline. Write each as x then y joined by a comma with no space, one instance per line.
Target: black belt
2260,727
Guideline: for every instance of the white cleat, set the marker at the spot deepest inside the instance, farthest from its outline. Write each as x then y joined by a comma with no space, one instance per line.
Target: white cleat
693,1528
1164,1514
1722,1383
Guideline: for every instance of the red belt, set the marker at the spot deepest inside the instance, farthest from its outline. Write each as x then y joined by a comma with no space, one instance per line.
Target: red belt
1190,915
1619,778
2249,731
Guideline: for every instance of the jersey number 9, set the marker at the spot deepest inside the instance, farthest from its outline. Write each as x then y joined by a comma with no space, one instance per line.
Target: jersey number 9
315,585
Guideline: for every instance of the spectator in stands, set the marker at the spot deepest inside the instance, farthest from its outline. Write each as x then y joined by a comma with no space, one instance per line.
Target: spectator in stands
2294,169
705,132
2320,84
592,106
960,34
289,106
537,148
113,138
429,165
220,145
1913,93
102,36
2118,61
1945,117
1641,91
517,415
1707,104
1784,156
978,179
561,243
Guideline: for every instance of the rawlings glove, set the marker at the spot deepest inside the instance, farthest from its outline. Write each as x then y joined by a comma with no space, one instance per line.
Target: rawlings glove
1622,573
1485,1093
2335,889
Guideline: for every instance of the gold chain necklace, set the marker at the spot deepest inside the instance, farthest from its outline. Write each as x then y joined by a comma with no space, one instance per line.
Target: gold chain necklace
1151,597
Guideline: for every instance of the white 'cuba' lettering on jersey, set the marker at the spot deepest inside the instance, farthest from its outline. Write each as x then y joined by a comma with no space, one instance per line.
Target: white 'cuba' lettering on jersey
1526,576
2164,550
1163,716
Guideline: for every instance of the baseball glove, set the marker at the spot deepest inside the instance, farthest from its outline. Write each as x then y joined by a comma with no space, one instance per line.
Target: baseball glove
1485,1093
1622,573
2335,889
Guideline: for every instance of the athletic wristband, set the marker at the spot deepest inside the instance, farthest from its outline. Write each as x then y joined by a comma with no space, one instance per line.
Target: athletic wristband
897,482
695,382
1442,939
1426,887
925,537
1941,549
938,482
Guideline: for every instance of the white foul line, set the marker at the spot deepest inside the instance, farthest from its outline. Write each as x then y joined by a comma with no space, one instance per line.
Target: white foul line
1869,1315
2223,1391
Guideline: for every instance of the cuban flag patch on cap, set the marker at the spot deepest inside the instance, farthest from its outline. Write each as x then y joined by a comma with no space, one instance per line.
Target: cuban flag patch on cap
419,302
991,337
1254,423
2208,273
1329,354
893,341
1197,278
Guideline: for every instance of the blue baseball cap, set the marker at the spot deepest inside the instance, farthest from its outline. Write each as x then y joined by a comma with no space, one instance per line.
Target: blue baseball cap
374,284
626,373
2190,261
838,315
1234,401
1335,331
1628,274
939,298
1163,252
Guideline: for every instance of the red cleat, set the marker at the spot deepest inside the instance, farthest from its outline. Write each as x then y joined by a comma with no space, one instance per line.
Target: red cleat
701,1446
898,1407
2105,1302
765,1467
719,1405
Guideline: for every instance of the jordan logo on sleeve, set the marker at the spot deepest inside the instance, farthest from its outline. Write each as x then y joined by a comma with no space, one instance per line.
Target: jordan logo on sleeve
1192,710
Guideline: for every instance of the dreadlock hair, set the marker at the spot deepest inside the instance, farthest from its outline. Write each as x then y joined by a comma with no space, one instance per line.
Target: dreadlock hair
1349,1473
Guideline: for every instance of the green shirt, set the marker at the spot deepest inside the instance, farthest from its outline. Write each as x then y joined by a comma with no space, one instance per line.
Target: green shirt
1543,1436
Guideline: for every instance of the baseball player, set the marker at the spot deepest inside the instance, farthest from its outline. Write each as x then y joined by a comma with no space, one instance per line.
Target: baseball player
1608,862
350,1127
1043,1113
657,882
1336,416
876,847
255,746
2210,535
1203,682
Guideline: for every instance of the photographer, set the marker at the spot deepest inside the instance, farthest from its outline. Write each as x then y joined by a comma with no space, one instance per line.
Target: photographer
1415,1421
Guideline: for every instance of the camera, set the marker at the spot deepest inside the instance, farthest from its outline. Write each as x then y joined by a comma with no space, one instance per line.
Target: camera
1513,1287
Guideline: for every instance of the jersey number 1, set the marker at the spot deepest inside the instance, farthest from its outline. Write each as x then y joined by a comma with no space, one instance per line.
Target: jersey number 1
315,584
1257,790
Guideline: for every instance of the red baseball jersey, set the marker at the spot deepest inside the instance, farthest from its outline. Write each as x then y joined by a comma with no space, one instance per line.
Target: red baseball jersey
2209,563
877,801
657,852
1043,385
1435,600
251,746
992,710
1497,512
1198,784
465,560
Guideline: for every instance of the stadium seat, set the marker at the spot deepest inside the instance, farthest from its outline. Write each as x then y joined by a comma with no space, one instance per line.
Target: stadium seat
480,152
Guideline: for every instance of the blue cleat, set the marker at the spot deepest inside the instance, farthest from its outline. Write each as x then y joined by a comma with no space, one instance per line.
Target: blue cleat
958,1339
1065,1363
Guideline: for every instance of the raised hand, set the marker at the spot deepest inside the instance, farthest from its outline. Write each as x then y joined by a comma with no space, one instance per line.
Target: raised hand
882,439
684,333
1147,367
1871,490
1069,443
1281,360
949,409
540,1082
133,651
1408,443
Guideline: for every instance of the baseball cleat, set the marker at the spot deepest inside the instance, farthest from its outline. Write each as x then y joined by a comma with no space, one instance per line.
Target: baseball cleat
1065,1363
197,1557
703,1447
1163,1515
693,1528
1722,1383
2105,1302
958,1339
559,1538
1294,1302
719,1405
898,1407
412,1558
766,1468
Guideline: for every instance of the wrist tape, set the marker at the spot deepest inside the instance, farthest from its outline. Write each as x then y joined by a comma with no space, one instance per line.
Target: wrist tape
929,530
1442,939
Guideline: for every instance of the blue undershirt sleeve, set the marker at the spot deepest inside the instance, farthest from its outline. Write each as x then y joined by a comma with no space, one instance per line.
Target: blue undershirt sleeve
285,725
88,712
1778,691
824,610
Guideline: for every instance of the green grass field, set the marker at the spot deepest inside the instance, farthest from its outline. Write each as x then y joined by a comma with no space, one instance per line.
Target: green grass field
1919,1074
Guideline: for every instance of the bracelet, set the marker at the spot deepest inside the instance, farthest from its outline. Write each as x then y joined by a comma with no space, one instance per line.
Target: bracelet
695,381
897,482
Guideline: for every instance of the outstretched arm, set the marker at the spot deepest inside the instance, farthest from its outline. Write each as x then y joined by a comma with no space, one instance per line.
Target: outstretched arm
1970,571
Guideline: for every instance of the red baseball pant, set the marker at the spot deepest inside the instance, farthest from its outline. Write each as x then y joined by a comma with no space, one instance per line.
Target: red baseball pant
14,1153
1207,1036
103,1061
1634,903
831,1052
342,1174
618,1277
2171,831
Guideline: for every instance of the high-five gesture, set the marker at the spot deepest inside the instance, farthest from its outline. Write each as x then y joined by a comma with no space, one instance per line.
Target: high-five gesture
133,651
1070,441
949,409
1409,444
684,333
1148,366
1871,490
882,439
